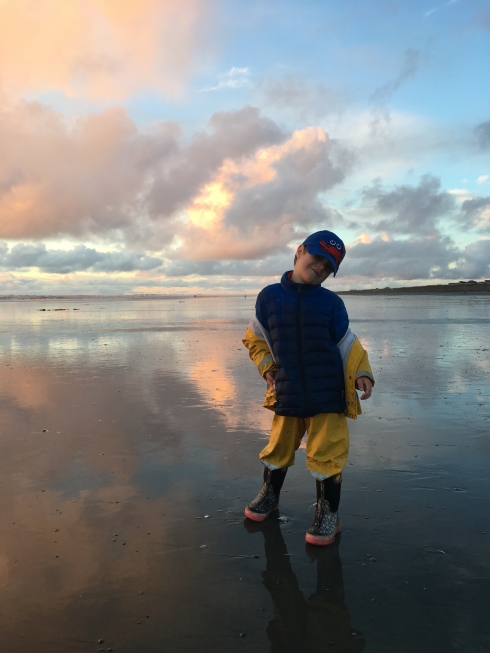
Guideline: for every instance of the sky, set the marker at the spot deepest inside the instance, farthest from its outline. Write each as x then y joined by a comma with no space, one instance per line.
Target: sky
189,146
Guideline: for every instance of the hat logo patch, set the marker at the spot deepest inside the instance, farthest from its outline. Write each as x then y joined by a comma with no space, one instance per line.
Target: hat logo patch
334,249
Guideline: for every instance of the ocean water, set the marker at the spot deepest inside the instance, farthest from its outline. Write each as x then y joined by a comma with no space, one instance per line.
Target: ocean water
129,436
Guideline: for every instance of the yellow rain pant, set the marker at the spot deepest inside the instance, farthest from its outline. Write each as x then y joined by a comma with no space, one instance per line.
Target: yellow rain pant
327,446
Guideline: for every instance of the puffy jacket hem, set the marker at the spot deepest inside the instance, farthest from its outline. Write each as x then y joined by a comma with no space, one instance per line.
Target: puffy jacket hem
339,408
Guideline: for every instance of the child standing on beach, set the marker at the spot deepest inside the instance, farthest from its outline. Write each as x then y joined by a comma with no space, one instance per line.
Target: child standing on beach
301,343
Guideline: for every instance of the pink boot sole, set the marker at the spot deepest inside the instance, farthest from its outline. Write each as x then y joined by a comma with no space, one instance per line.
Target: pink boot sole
320,540
255,516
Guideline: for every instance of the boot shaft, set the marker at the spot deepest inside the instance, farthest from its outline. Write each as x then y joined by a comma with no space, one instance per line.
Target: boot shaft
329,490
275,478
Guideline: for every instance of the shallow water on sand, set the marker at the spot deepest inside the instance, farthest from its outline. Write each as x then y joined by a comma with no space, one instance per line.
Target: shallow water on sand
129,436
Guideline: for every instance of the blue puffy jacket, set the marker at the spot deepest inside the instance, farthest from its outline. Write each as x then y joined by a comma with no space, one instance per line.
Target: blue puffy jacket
304,324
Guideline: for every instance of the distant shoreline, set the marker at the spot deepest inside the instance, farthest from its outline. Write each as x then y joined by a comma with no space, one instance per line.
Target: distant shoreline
461,288
79,298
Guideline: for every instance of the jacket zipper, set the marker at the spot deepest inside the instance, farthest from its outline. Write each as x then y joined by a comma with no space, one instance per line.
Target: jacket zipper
300,348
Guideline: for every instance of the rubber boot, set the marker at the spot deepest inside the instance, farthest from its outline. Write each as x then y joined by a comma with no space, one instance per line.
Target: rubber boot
326,523
267,499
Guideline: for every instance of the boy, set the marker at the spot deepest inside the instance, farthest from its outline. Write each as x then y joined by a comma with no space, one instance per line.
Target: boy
301,343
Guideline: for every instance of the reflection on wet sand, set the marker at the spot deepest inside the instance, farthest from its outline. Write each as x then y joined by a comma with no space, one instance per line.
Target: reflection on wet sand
129,435
320,623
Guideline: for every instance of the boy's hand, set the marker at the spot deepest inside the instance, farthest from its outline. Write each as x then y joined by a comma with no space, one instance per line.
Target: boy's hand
270,377
364,383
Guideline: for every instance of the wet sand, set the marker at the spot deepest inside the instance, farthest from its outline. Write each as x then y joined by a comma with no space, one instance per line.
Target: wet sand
129,441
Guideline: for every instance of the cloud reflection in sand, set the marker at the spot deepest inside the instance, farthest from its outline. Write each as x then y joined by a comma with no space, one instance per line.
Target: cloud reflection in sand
153,420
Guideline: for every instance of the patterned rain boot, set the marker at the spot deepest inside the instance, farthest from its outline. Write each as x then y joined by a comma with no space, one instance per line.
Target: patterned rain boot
326,524
267,499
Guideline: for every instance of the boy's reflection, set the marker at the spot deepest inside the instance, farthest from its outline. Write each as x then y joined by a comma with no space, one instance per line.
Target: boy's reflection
320,624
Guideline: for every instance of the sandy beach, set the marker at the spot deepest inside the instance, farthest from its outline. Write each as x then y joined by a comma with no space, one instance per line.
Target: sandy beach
129,441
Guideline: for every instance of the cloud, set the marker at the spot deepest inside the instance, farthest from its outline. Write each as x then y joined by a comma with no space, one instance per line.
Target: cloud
233,135
413,210
87,179
440,6
100,48
460,194
239,189
102,175
383,94
234,78
78,259
369,259
482,179
476,214
255,206
272,266
415,259
476,260
306,102
482,133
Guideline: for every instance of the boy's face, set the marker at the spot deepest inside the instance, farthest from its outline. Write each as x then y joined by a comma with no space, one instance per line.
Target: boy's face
310,268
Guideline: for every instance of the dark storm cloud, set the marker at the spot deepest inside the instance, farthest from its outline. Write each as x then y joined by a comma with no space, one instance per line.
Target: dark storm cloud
482,133
383,94
408,209
78,259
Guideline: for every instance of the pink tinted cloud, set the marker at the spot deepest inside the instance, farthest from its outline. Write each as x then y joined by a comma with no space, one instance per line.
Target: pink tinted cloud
241,189
86,179
98,48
